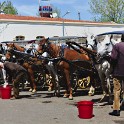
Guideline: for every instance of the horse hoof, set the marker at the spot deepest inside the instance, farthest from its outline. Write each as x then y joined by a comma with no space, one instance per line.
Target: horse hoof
49,89
34,91
58,94
30,90
70,98
90,94
65,96
104,98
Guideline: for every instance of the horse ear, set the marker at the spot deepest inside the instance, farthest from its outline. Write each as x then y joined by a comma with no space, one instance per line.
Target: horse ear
86,43
47,39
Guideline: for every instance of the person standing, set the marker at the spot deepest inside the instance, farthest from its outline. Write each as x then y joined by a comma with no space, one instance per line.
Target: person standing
117,60
16,73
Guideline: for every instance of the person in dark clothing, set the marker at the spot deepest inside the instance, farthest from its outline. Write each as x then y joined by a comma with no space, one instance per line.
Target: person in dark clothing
15,72
117,58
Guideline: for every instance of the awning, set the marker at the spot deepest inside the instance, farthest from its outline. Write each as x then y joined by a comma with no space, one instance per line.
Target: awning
113,32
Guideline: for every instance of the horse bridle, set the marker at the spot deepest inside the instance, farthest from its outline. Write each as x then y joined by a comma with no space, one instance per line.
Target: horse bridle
107,52
44,45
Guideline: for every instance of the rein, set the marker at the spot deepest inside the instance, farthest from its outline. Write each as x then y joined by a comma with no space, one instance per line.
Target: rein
46,47
91,52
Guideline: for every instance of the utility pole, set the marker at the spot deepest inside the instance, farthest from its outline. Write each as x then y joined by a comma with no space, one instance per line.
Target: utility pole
79,15
63,26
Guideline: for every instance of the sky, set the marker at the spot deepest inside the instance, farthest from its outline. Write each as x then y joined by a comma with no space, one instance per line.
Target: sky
30,8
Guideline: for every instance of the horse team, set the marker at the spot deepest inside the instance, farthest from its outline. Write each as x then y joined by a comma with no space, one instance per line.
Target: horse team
60,63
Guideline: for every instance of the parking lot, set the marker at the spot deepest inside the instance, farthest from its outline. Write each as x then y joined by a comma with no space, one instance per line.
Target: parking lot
46,109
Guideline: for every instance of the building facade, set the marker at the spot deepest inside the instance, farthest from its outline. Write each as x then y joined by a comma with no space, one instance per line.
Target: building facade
13,26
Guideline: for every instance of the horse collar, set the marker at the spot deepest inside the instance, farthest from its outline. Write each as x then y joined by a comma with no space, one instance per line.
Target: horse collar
62,48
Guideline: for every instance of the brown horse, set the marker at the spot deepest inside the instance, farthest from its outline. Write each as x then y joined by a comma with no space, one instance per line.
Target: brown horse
26,65
66,53
33,65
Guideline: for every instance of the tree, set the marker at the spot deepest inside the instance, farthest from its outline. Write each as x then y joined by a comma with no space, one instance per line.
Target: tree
57,11
2,5
8,8
107,10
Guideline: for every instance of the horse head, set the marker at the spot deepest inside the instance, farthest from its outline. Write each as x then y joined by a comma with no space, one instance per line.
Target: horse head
9,56
102,47
43,44
10,53
105,47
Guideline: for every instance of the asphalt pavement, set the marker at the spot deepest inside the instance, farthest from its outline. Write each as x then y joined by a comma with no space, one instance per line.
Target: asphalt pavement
44,108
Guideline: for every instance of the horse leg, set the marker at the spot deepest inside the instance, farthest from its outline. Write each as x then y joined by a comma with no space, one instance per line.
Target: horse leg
49,77
69,88
57,86
56,83
55,79
103,83
109,90
92,89
32,81
104,87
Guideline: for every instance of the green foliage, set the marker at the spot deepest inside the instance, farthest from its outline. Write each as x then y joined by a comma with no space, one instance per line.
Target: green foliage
107,10
8,8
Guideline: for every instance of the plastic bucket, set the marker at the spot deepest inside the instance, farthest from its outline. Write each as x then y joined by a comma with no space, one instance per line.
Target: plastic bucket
6,92
85,109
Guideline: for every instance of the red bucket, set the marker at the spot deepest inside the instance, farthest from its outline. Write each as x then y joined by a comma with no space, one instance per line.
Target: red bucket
85,109
6,92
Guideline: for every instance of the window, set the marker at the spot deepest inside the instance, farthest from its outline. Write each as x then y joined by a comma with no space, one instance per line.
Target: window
39,37
17,38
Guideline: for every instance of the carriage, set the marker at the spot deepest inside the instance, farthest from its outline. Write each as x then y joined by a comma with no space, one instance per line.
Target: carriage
81,71
80,76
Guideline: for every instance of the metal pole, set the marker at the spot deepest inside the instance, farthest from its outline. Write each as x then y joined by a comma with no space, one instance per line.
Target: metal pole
79,15
63,28
63,25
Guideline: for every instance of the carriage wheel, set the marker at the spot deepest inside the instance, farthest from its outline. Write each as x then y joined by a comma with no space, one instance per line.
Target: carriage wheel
49,81
84,82
40,79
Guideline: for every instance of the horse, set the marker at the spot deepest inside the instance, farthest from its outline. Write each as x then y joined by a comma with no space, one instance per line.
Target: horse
66,56
104,68
52,78
42,69
94,75
25,64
